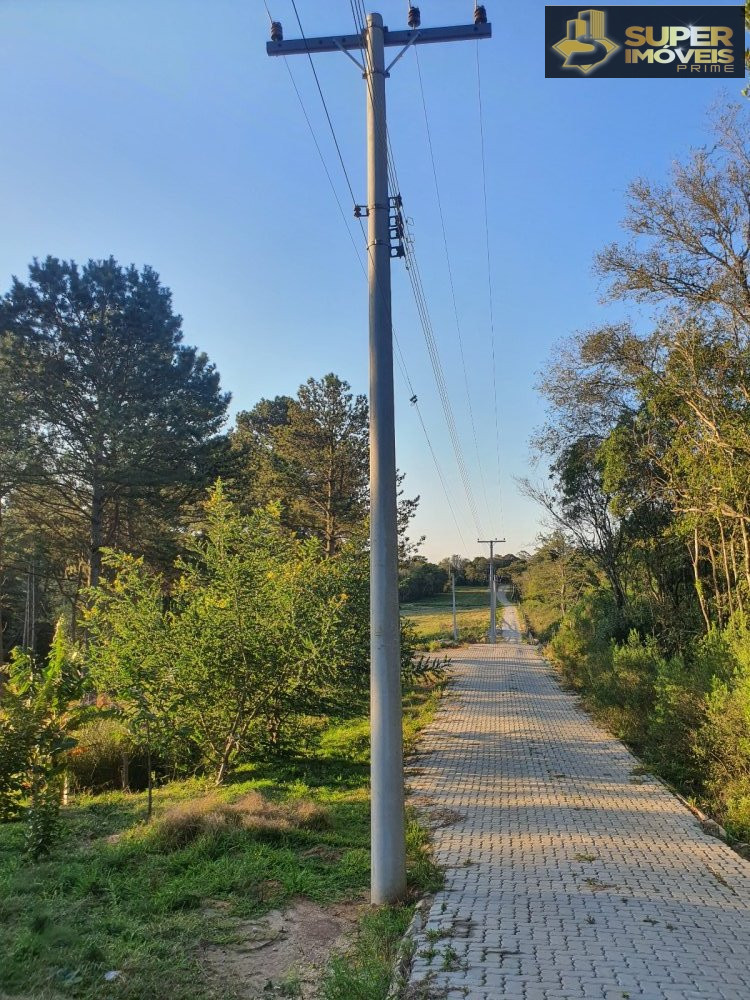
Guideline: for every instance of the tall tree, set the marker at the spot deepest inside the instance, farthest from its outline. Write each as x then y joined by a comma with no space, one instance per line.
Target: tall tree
691,236
321,458
18,458
128,416
666,413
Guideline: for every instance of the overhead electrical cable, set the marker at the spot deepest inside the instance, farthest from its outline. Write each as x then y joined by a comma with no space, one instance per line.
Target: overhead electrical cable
489,285
450,279
400,360
325,106
415,278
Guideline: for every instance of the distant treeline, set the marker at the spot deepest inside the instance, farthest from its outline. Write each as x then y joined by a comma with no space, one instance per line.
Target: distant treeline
419,578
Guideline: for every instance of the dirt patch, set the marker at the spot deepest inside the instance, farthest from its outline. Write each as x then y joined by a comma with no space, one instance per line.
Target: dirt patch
435,816
282,953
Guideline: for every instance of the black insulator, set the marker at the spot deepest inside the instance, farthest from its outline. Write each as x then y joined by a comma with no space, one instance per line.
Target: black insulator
414,18
277,32
480,14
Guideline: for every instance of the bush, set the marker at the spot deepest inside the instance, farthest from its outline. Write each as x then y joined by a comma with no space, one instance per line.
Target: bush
105,755
627,688
723,749
582,645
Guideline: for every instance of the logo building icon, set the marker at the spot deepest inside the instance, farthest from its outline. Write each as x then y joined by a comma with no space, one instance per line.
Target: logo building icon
586,45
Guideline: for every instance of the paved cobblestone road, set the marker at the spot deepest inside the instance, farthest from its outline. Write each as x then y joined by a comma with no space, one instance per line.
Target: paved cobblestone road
568,874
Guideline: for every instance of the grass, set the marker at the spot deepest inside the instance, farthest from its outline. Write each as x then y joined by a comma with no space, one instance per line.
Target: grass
433,617
365,973
119,895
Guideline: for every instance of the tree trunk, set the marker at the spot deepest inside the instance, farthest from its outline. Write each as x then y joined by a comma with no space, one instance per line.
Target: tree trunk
617,588
330,521
150,807
714,578
125,772
735,574
698,585
2,591
224,762
227,752
746,549
725,560
96,534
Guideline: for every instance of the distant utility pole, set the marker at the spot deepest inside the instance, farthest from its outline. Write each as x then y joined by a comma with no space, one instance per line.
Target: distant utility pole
388,882
453,595
493,585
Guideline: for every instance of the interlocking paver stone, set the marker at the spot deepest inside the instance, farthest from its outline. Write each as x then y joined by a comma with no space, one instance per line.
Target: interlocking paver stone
567,875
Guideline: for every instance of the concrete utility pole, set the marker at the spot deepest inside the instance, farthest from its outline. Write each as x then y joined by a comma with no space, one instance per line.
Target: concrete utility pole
493,585
388,881
453,595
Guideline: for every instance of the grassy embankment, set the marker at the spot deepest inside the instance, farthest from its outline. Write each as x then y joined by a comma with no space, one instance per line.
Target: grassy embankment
433,617
143,900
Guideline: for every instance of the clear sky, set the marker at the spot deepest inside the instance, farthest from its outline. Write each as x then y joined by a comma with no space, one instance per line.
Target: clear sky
160,132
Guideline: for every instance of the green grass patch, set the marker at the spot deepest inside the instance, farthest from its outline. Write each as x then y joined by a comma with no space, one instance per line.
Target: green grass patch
119,895
365,972
433,617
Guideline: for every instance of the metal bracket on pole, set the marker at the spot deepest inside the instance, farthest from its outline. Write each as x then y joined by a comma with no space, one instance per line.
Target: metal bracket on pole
341,43
396,227
408,45
348,54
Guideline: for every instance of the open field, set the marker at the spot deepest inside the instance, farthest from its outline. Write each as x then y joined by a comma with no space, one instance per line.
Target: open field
433,618
153,905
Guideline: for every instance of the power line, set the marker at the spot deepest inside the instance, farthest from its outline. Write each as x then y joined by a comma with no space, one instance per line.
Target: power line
325,107
323,161
400,360
417,286
450,277
489,284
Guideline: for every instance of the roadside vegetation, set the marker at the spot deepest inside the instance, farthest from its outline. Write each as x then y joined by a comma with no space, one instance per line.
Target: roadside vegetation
184,653
116,894
642,588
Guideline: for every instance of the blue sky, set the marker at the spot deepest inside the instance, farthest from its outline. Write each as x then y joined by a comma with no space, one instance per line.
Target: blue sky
160,132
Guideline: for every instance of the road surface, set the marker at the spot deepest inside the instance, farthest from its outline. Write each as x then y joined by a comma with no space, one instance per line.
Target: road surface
569,874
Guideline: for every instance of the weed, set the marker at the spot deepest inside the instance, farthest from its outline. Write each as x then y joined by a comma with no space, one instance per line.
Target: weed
451,960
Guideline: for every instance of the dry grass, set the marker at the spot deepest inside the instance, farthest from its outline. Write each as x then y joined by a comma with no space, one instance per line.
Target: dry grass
210,815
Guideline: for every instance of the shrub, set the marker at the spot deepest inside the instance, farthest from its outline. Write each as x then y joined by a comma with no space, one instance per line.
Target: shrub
723,748
103,755
627,687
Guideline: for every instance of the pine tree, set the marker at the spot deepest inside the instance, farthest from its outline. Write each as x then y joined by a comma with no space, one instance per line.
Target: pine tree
128,417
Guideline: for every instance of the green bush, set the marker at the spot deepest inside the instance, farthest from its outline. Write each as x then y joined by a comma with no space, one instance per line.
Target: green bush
104,754
675,718
723,749
583,643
